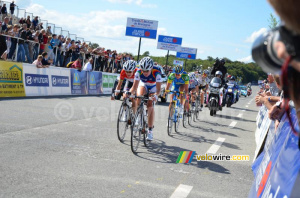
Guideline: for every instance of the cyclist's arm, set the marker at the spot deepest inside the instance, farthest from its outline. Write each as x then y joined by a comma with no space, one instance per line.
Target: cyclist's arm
186,79
135,82
170,80
119,84
158,84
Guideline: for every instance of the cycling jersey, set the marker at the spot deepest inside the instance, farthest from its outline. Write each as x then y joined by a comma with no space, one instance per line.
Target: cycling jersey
193,81
176,83
148,82
123,75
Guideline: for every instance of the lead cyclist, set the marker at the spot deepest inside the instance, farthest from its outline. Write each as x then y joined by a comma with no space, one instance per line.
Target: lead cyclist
203,81
147,80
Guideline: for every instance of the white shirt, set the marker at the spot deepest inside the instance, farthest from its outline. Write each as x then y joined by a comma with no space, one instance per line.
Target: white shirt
87,67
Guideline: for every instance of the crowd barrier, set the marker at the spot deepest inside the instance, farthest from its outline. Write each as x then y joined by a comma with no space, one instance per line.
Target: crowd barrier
277,158
22,79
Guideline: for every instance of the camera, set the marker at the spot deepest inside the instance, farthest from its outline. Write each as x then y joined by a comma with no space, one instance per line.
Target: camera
265,54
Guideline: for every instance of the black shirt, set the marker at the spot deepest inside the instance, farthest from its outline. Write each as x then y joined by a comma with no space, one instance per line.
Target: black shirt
12,6
45,62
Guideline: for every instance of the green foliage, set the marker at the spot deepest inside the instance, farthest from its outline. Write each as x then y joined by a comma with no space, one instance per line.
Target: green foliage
272,22
94,45
146,53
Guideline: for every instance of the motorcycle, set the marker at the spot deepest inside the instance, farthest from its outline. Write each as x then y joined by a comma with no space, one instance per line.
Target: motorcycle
230,95
214,96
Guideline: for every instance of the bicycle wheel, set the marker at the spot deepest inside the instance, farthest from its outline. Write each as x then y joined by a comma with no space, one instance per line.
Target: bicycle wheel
171,119
136,130
177,123
197,108
185,119
122,124
145,130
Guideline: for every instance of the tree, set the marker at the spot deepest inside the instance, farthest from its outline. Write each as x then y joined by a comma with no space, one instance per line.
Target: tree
94,45
273,22
209,58
146,53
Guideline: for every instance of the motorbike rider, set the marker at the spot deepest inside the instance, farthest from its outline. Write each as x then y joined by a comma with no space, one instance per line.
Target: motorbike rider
232,80
219,67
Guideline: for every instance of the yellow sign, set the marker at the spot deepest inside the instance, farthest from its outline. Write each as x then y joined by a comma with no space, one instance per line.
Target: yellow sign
11,79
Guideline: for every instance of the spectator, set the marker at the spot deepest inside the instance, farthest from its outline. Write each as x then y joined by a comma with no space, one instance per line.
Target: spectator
21,49
12,8
43,39
15,34
88,66
77,64
65,52
4,24
45,61
49,31
28,22
4,11
39,26
38,62
22,21
35,22
8,42
35,37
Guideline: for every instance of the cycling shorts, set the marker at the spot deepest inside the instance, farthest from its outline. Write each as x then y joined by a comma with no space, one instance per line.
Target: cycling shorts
149,88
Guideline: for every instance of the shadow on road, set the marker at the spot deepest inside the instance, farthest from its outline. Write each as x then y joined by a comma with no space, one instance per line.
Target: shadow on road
234,118
244,109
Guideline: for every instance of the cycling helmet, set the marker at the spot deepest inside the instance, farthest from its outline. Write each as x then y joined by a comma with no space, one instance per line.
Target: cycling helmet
219,73
129,65
178,69
192,76
232,78
146,64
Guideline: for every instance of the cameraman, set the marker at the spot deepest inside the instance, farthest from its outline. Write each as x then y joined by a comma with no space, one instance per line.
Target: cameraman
219,66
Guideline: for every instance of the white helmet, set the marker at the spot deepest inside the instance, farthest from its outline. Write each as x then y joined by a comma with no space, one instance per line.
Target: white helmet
219,73
146,63
129,65
192,76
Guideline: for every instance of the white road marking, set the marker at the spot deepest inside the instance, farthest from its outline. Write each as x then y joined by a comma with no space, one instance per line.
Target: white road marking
247,106
243,110
182,191
233,123
215,147
240,115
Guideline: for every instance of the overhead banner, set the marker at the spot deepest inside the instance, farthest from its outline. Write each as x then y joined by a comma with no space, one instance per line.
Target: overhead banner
177,62
187,53
169,43
95,83
141,28
78,82
11,79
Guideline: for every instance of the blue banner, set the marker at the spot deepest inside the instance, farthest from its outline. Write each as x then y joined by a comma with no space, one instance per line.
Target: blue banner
169,39
271,177
144,33
36,80
186,55
78,82
95,82
60,81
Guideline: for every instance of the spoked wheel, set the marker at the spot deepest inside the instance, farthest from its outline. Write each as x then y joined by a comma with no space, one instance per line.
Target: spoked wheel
123,122
197,108
185,119
136,130
145,131
177,123
171,119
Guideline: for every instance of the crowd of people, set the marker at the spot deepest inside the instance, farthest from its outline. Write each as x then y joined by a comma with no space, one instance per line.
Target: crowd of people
29,41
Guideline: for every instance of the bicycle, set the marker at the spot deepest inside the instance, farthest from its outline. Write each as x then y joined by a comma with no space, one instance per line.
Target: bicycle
173,113
140,124
125,118
187,113
196,108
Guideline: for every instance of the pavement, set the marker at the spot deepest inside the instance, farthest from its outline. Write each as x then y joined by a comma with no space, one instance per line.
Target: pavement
68,147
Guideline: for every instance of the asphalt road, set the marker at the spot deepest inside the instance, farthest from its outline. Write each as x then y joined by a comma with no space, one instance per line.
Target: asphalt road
68,147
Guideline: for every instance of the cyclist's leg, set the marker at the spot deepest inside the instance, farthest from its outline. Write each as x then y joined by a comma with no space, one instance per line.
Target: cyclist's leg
202,96
173,88
141,91
150,107
127,87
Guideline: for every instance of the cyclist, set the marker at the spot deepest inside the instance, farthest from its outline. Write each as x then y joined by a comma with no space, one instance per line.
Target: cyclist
180,82
203,86
127,73
147,80
193,87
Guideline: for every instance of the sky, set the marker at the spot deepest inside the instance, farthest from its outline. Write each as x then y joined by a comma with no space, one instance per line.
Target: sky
217,28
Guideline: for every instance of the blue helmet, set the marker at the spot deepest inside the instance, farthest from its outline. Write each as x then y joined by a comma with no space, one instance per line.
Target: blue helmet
178,69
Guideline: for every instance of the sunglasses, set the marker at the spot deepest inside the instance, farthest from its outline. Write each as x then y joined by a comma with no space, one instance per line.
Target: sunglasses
145,71
129,72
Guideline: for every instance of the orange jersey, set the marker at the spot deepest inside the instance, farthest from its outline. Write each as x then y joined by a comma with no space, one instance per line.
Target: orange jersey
123,75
